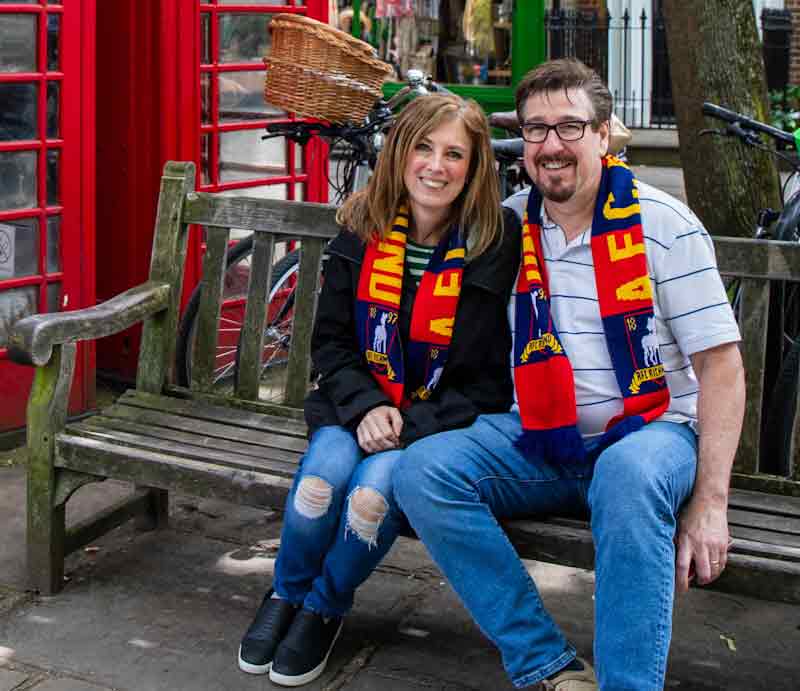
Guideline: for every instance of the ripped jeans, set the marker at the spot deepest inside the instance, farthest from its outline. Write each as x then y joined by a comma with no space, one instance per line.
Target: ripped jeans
341,519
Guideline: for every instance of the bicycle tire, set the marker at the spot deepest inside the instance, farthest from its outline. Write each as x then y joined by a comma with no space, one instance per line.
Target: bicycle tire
183,356
779,422
226,371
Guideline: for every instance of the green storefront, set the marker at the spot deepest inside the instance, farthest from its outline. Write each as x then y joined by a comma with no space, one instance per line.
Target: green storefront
508,39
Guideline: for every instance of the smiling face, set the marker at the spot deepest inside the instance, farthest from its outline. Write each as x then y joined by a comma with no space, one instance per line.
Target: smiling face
565,171
435,172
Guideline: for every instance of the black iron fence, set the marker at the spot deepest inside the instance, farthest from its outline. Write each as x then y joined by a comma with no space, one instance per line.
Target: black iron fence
630,53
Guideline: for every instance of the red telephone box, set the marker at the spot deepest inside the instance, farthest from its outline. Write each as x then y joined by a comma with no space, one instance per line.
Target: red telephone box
47,199
184,81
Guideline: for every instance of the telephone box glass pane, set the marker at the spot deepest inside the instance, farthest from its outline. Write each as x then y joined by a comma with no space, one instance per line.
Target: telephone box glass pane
17,179
245,156
205,159
205,97
53,39
53,177
19,248
54,297
18,39
54,244
53,109
205,38
243,37
18,111
15,304
298,159
241,97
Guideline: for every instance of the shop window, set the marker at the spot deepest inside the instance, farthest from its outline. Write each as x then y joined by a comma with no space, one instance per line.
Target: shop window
454,41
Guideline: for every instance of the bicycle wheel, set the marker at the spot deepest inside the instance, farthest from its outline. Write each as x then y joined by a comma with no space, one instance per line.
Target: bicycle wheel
278,328
234,297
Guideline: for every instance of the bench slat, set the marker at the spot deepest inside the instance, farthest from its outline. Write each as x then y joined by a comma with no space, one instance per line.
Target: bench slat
755,307
299,367
165,471
765,537
224,432
296,219
777,524
778,261
213,413
764,503
251,344
205,338
746,574
188,446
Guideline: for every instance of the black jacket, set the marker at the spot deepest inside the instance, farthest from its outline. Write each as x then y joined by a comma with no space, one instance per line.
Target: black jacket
476,378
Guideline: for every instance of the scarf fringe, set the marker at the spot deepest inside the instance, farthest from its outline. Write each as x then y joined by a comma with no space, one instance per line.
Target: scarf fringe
561,445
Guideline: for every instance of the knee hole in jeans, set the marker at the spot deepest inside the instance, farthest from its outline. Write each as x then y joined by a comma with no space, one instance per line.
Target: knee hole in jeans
313,497
366,509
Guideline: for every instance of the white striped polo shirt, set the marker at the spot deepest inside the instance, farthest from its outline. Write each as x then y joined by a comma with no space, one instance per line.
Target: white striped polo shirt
691,308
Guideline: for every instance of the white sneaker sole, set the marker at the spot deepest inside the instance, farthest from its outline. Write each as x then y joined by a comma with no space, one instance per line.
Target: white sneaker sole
300,679
253,669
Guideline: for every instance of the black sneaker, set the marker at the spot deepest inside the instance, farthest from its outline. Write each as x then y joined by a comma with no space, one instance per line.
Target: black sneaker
273,619
302,655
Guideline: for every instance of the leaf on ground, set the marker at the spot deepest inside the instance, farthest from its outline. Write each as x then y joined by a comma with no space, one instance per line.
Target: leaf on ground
729,641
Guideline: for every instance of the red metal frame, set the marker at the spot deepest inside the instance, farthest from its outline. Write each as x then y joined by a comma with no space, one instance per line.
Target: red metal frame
149,111
314,175
75,145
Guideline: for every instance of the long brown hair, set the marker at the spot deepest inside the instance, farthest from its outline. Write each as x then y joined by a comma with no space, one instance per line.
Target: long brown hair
369,212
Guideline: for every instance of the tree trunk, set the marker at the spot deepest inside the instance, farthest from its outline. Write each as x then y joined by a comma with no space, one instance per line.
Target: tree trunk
715,55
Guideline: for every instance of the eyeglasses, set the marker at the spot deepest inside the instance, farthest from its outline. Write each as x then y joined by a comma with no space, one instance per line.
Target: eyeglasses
570,131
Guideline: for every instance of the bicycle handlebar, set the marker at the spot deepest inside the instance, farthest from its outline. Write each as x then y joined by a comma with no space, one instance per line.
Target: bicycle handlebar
745,123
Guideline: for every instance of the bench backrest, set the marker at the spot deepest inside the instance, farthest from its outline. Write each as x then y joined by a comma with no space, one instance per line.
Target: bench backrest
270,221
758,263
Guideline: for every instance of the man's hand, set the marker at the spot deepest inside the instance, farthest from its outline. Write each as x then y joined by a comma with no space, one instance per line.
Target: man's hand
703,526
702,541
380,429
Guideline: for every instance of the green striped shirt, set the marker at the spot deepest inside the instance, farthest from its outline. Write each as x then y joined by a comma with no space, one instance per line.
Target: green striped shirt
417,258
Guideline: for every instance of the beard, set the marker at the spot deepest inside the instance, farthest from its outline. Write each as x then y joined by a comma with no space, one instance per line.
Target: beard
554,187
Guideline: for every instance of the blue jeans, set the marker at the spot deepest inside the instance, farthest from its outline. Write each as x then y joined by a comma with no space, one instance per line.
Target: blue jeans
341,519
453,488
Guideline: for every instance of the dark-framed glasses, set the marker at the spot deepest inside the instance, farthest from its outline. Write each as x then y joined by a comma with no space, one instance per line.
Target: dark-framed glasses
569,131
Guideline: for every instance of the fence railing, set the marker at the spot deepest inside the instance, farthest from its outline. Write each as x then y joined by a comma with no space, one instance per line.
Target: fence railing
630,53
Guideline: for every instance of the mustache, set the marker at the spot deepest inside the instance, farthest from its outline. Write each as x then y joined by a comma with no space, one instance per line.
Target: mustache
544,158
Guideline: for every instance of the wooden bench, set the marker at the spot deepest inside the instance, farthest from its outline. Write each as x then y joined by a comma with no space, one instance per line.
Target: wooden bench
233,446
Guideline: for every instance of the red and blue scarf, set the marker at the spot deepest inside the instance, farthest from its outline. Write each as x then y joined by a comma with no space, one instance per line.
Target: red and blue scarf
411,375
542,372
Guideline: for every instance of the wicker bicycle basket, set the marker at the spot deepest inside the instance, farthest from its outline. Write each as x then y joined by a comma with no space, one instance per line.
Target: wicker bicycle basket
321,72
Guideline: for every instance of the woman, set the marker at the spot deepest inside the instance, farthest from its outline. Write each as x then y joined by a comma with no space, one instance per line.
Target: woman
411,338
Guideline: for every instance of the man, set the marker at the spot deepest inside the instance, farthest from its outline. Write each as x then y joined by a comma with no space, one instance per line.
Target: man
629,395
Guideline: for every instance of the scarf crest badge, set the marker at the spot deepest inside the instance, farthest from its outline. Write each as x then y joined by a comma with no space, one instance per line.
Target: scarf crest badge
414,367
542,372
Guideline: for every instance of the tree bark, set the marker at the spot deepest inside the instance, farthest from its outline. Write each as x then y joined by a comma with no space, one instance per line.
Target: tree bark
715,55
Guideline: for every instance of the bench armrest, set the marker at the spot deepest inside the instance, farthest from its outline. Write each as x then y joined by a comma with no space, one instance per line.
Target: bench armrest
32,338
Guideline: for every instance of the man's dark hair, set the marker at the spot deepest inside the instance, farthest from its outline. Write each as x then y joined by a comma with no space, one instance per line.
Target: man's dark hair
566,73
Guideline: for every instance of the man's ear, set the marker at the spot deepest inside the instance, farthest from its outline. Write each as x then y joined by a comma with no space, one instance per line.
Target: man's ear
604,131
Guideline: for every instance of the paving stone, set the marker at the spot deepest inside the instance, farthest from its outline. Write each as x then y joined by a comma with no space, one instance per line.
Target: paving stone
66,685
10,680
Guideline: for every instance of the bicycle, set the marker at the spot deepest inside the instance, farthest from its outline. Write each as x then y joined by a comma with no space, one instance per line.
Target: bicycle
357,146
782,374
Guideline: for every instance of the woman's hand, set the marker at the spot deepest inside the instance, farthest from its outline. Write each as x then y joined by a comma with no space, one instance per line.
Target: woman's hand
380,429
